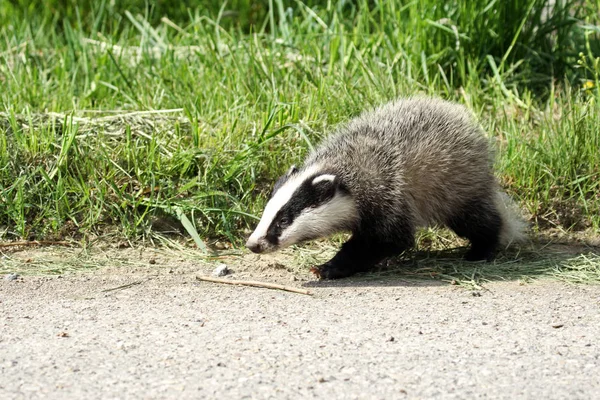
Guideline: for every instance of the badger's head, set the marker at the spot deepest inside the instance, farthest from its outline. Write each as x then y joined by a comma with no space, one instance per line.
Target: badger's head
304,205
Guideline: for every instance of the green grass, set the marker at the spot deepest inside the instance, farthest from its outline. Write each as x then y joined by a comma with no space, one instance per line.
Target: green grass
117,118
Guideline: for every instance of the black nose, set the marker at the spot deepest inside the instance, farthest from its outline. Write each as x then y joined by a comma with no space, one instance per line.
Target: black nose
254,247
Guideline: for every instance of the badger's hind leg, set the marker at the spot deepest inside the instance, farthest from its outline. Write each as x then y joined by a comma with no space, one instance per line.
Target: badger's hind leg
480,222
358,255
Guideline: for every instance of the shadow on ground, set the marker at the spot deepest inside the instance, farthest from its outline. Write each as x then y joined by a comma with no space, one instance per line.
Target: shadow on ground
573,262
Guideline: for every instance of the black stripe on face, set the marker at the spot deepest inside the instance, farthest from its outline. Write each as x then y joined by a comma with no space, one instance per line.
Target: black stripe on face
306,196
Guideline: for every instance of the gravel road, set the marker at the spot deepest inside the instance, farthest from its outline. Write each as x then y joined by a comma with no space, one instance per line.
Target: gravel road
170,336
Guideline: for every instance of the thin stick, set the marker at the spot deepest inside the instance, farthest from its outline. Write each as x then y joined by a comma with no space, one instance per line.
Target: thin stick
122,286
255,284
36,243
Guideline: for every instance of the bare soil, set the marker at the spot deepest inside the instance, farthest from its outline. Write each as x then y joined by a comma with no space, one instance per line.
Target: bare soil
148,329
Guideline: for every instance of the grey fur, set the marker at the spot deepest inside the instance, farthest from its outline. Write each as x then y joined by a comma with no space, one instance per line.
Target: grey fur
417,160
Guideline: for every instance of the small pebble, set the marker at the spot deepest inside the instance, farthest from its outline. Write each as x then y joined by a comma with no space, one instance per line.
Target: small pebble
221,270
556,326
11,277
220,246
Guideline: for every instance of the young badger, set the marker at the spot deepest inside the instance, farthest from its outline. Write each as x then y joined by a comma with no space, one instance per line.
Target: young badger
408,164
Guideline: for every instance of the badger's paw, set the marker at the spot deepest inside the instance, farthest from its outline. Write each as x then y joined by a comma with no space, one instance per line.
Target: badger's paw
480,254
331,271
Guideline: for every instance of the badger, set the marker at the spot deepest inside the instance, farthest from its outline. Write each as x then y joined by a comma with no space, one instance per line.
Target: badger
412,163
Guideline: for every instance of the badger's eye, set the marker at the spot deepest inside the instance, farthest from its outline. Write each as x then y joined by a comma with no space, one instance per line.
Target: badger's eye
283,222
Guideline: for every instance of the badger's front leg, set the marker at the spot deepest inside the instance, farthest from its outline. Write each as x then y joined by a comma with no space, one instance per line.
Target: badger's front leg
357,255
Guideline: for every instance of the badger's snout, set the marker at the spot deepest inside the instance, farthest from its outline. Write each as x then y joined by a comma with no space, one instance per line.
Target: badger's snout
260,244
254,246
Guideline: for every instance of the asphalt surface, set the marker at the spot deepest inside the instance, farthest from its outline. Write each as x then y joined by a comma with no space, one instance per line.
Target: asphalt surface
171,337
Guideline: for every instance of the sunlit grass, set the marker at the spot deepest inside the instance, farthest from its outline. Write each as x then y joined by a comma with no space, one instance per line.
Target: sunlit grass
113,120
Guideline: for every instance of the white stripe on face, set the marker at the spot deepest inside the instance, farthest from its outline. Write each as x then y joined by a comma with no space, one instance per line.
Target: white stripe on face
280,199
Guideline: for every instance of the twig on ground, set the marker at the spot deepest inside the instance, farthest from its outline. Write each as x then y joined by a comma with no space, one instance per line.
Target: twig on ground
122,286
255,284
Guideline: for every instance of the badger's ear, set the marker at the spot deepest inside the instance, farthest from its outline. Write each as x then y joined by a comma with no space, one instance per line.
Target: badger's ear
325,186
293,169
324,178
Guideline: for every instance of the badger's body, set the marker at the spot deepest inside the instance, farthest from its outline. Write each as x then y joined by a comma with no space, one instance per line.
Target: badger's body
408,164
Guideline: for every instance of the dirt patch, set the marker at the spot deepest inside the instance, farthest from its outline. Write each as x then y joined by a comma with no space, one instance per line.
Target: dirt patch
135,322
150,329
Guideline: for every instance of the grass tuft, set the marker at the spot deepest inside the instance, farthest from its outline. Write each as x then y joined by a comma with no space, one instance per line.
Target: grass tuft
442,261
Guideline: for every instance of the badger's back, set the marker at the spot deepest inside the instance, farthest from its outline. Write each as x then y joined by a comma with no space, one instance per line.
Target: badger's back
424,154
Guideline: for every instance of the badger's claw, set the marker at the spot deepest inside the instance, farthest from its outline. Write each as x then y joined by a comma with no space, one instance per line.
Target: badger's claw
316,270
